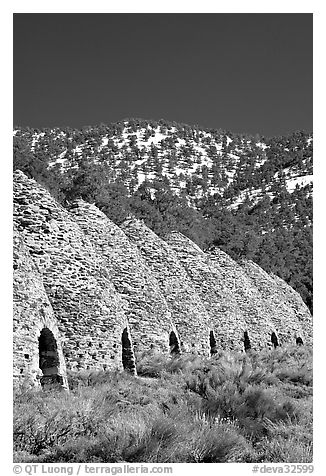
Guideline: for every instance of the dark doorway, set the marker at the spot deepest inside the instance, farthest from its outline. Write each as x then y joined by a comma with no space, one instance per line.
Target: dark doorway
299,341
246,341
128,357
274,339
49,359
212,343
174,344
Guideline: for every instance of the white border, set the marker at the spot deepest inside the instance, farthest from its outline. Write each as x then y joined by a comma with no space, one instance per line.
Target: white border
231,6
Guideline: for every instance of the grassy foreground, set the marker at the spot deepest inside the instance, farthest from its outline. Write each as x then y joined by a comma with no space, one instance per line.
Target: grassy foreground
233,407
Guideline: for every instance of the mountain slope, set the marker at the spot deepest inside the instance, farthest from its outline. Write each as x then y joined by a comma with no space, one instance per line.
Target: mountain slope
250,196
102,282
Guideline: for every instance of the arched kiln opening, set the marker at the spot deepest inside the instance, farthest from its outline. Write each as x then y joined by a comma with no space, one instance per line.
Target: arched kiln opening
128,356
49,359
274,339
212,343
299,341
174,344
246,341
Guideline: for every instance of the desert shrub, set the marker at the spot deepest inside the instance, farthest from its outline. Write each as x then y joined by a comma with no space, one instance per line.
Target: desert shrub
234,407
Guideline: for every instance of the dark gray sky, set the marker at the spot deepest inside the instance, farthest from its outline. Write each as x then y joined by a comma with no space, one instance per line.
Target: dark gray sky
240,72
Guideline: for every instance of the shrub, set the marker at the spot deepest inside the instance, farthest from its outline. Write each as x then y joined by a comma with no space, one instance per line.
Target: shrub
234,407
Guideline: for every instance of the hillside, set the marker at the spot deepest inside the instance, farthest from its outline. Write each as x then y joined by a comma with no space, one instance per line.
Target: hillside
250,196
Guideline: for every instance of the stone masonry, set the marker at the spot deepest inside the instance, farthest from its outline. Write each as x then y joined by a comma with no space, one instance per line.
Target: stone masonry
286,308
91,295
226,319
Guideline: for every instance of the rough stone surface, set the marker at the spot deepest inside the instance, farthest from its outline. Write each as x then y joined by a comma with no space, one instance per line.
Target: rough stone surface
148,313
226,319
188,312
265,304
288,312
89,311
87,293
255,312
265,314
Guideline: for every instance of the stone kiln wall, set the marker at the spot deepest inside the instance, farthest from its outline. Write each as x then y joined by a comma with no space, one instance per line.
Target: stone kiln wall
148,313
188,312
103,290
227,320
294,301
264,305
32,312
261,315
258,323
89,311
288,312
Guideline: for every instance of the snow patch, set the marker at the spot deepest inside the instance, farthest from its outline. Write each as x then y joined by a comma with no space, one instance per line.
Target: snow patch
261,145
301,181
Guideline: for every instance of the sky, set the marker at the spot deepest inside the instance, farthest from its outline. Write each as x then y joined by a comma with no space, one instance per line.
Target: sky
246,73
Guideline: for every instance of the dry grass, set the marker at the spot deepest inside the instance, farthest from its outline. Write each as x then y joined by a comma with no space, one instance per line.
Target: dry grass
231,408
